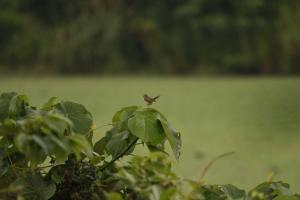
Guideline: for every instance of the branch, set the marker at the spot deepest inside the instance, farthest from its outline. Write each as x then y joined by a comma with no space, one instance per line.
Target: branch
120,155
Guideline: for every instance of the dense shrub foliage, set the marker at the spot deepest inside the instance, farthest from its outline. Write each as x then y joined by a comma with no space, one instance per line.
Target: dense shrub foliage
49,153
166,36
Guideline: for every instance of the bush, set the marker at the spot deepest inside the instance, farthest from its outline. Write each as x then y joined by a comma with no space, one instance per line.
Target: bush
49,153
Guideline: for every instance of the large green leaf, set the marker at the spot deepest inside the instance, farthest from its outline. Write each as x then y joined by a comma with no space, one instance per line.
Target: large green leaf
35,188
145,125
173,137
124,114
117,144
78,114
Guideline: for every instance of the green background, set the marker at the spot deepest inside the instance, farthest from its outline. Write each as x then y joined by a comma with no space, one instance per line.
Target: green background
258,118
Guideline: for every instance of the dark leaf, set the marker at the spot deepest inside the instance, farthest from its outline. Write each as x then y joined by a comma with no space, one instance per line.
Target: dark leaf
35,188
173,137
5,100
78,114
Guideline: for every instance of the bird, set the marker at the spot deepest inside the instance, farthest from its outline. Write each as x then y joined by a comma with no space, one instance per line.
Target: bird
149,99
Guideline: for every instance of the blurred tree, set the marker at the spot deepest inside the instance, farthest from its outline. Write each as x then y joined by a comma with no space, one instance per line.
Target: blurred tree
169,36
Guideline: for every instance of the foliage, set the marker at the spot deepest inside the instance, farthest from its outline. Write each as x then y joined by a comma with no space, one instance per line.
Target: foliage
102,36
265,191
48,153
150,178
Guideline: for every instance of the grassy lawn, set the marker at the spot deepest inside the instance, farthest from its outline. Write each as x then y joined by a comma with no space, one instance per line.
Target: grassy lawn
258,118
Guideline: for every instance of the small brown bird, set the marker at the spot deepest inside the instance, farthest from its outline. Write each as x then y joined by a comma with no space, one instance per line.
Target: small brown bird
150,100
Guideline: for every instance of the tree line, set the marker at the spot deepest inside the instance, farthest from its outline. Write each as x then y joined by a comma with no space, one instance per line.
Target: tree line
161,37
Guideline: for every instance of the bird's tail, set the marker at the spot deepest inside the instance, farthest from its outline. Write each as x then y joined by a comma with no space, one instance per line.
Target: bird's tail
156,97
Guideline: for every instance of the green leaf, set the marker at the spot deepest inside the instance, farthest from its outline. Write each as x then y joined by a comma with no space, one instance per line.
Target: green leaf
59,149
155,192
283,197
173,137
33,151
80,144
57,123
60,143
49,104
35,188
39,140
5,100
232,192
78,114
99,146
157,147
118,143
270,190
57,173
167,193
17,106
21,141
210,192
124,114
146,126
281,188
115,147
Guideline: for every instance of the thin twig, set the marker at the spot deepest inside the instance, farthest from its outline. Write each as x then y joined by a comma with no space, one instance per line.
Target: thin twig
208,166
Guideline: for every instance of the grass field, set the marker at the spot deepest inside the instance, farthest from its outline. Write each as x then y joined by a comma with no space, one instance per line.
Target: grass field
258,118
